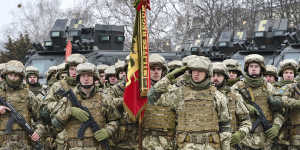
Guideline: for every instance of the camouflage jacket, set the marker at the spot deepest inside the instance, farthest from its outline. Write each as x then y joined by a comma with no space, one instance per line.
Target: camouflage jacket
19,98
106,115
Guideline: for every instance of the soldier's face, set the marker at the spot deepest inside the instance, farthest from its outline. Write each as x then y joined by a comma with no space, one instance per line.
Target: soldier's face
112,79
155,73
13,76
217,78
270,78
72,71
198,76
122,74
32,79
288,74
232,75
254,69
86,79
102,78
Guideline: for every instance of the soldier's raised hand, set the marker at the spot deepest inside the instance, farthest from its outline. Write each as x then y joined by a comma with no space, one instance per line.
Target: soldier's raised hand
3,109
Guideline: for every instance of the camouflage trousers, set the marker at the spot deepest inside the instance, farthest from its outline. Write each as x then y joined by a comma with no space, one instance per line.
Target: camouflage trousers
156,140
257,141
18,140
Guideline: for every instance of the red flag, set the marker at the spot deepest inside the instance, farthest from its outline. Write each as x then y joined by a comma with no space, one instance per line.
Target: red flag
68,49
138,76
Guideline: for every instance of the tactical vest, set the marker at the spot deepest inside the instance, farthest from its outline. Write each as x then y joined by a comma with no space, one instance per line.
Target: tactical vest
159,118
232,110
198,113
261,98
294,115
19,100
92,104
35,89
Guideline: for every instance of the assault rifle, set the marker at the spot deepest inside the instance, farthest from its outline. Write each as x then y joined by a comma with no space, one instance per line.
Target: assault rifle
89,123
261,116
16,117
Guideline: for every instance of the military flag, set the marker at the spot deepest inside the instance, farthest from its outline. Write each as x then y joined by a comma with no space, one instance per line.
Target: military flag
138,76
68,49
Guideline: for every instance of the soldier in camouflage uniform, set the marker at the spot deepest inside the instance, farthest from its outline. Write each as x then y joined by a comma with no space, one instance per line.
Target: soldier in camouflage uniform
110,77
240,122
158,67
255,89
290,102
287,71
32,80
172,65
159,121
271,74
70,118
13,91
202,116
69,82
102,80
234,71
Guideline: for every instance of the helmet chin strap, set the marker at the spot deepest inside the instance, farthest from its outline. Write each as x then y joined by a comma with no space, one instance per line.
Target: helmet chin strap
86,86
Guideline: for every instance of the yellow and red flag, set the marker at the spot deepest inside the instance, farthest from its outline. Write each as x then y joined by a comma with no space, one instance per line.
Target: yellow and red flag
68,49
138,76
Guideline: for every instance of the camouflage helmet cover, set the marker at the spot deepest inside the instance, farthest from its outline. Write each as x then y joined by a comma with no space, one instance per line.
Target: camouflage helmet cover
86,68
254,58
102,67
51,70
120,65
14,66
200,64
186,59
287,64
158,60
219,67
31,70
233,65
271,70
175,63
111,70
2,67
75,59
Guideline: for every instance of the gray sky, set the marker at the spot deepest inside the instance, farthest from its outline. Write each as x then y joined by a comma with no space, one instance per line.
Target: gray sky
6,7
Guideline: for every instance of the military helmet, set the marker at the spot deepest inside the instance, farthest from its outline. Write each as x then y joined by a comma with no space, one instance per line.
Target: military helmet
186,59
200,64
219,67
86,68
233,65
271,70
31,70
75,59
14,66
175,64
156,59
111,70
120,65
102,67
254,58
287,64
51,70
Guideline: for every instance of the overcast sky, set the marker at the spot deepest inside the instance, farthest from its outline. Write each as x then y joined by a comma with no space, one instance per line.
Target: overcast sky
7,6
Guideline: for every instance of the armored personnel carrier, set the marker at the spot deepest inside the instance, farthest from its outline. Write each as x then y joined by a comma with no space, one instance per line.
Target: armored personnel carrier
101,44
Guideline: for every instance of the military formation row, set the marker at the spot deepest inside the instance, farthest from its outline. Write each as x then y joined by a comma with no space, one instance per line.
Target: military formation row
193,104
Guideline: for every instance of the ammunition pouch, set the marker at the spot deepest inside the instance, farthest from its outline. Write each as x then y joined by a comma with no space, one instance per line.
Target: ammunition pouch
159,118
85,142
211,138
